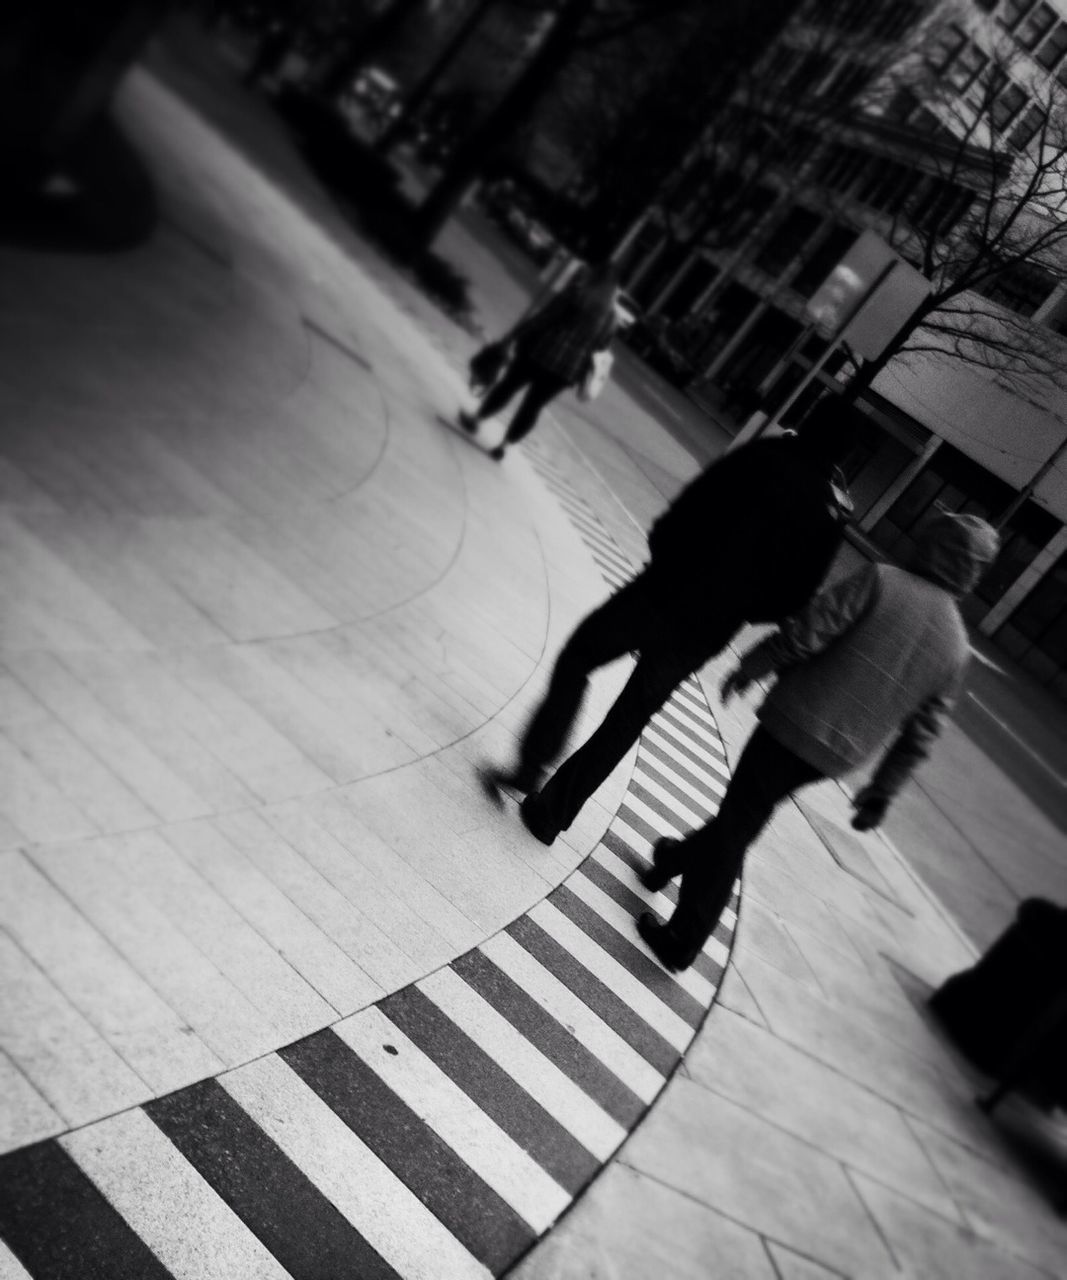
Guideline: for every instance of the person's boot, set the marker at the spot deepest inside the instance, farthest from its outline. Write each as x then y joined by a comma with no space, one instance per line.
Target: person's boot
468,421
671,951
497,454
536,819
663,869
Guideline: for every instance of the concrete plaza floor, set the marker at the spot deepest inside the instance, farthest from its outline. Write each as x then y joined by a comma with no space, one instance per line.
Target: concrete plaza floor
265,612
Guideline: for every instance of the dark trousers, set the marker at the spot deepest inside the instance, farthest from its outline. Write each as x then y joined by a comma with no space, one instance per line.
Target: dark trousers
710,860
636,617
541,387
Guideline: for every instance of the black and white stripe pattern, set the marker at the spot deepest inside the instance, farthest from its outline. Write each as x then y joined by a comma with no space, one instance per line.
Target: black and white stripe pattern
436,1134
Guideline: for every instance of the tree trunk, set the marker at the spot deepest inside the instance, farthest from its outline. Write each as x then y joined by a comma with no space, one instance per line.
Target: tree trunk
425,87
341,70
501,124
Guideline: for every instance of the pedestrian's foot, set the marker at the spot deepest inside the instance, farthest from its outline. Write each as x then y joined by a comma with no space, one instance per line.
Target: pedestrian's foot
494,780
497,454
536,820
656,877
662,943
468,421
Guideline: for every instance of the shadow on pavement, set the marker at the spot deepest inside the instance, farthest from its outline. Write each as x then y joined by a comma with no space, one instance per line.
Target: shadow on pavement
100,199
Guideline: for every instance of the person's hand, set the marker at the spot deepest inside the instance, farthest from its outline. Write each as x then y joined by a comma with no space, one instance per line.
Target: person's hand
735,682
870,809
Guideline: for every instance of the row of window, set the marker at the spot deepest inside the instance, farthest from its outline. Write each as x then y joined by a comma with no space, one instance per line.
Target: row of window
966,67
816,72
1036,27
932,204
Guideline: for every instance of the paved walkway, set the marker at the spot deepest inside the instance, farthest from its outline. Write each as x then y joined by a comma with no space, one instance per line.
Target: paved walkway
283,993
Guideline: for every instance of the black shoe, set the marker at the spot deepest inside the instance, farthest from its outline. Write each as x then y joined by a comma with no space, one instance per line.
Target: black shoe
468,422
659,875
662,943
536,820
497,454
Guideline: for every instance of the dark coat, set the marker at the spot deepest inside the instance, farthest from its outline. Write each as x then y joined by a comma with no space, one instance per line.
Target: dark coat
752,537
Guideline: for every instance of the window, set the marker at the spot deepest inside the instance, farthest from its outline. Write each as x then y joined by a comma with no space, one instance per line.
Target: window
848,82
1008,104
1026,533
788,241
939,206
950,481
889,186
1027,128
947,46
826,255
1036,633
1036,26
966,67
843,166
1053,47
1013,12
1021,288
696,281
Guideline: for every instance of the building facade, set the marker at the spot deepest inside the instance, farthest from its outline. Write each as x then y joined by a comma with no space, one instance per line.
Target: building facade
933,430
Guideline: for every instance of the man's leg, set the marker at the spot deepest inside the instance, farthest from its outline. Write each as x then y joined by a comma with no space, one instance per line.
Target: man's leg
620,624
661,667
710,859
543,388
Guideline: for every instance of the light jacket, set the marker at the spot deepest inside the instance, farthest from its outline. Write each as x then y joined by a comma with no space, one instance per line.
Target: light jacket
879,658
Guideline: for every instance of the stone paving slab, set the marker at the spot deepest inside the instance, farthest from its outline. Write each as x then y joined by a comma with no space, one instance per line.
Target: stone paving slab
265,616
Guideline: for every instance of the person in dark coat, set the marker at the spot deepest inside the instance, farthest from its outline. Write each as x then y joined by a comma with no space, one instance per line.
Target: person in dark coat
553,349
870,669
749,540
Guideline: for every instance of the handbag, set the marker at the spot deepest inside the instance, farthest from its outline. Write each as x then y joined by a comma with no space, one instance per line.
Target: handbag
487,365
596,376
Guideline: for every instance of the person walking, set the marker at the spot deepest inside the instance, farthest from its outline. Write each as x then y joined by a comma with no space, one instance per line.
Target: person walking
553,350
749,540
879,657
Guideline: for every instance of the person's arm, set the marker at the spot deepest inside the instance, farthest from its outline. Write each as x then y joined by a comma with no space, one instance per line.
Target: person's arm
912,745
827,616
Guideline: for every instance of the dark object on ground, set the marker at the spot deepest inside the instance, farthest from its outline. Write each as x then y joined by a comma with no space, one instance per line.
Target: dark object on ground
99,198
1008,1012
70,180
61,60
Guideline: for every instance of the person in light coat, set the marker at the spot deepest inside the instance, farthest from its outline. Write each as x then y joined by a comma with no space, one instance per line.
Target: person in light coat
877,659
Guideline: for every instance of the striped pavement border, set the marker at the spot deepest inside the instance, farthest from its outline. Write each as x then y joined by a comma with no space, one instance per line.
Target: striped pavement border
437,1134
